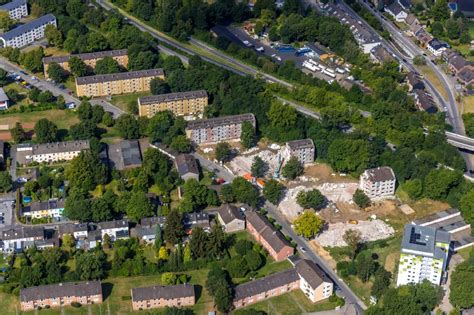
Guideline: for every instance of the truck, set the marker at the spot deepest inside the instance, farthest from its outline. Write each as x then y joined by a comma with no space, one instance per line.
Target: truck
330,74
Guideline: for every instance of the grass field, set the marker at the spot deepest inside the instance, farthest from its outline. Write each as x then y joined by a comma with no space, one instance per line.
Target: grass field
124,101
63,119
430,75
468,104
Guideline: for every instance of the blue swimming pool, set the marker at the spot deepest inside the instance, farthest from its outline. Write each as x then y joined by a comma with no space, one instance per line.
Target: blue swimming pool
285,48
26,199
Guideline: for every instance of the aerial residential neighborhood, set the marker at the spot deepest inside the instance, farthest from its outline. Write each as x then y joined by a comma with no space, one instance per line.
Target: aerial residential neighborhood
247,157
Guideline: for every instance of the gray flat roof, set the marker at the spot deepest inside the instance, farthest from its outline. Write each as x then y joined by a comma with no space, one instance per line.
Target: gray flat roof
423,239
119,76
436,216
171,97
300,144
12,5
17,31
380,174
86,56
125,154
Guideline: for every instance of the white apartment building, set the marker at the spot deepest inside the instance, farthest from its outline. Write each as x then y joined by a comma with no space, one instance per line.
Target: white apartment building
115,229
302,149
424,255
26,34
17,9
49,152
314,282
378,182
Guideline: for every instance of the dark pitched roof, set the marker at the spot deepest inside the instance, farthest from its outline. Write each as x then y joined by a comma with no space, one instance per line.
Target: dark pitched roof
456,60
163,292
405,3
220,121
380,174
437,44
119,76
152,221
22,29
23,232
395,8
311,272
466,75
113,224
186,163
381,54
44,205
171,97
229,213
70,228
42,292
425,101
414,80
300,144
266,230
466,7
410,19
12,5
265,284
86,56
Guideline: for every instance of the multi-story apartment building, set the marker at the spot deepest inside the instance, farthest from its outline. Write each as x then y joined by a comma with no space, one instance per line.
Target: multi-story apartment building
26,34
17,9
424,255
52,208
270,238
49,152
117,83
90,59
306,276
186,104
17,239
378,182
217,129
181,295
61,294
302,149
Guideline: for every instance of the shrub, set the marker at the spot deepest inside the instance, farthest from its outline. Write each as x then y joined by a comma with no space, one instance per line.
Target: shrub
76,304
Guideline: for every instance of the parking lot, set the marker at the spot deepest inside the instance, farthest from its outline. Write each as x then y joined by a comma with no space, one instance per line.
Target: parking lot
6,212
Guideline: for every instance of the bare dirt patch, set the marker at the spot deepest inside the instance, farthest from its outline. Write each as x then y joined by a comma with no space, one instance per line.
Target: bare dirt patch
323,254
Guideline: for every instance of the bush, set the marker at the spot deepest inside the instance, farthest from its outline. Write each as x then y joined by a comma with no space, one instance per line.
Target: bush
76,304
243,246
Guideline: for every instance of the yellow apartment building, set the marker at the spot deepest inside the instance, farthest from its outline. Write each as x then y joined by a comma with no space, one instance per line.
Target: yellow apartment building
188,103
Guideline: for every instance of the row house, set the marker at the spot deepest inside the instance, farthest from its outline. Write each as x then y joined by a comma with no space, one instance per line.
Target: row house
187,104
117,83
17,239
270,238
90,59
49,152
159,296
52,208
61,294
460,67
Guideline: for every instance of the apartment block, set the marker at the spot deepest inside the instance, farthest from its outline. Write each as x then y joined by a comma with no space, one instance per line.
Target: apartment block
181,295
217,129
117,83
26,34
17,9
186,104
90,59
270,238
49,152
306,276
424,255
378,182
303,149
61,294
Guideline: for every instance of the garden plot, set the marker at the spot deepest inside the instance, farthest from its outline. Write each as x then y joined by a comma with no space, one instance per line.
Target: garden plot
370,231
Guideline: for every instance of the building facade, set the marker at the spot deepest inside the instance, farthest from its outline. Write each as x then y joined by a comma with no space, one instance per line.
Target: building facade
50,152
378,182
181,295
231,218
26,34
187,166
424,255
61,294
17,9
90,59
186,104
117,83
4,100
302,149
17,239
270,238
115,229
217,129
52,208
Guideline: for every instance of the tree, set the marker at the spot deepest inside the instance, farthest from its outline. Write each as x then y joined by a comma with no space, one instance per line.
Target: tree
107,119
168,278
259,167
163,253
6,182
237,267
439,182
76,8
217,242
247,136
18,133
218,286
311,199
243,246
46,131
107,65
68,241
440,10
97,113
308,224
139,206
194,196
5,21
174,229
223,152
86,171
244,191
361,199
419,60
56,72
292,168
90,265
227,194
54,36
102,208
127,126
77,66
467,206
4,80
414,188
381,282
353,239
199,243
181,144
158,237
254,260
273,191
365,266
187,255
462,284
158,86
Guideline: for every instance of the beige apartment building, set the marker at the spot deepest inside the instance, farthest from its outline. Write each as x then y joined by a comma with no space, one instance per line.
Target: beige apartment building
90,59
180,295
181,104
117,83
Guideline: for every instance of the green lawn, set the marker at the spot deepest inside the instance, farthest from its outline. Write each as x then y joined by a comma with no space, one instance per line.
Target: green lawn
124,101
293,303
62,118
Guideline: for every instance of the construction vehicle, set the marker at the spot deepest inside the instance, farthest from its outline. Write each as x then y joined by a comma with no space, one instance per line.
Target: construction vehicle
276,174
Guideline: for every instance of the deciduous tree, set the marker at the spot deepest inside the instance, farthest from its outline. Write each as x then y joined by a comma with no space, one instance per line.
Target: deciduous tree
273,191
308,224
292,168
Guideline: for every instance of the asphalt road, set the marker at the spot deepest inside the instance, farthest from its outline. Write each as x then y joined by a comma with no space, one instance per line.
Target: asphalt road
48,86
